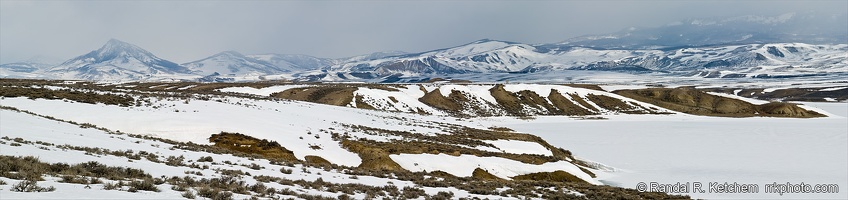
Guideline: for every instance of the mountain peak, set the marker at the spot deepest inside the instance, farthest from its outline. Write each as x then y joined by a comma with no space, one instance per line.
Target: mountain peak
116,43
114,46
116,60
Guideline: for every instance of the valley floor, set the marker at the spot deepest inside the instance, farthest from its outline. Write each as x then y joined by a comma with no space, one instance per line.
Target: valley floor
671,149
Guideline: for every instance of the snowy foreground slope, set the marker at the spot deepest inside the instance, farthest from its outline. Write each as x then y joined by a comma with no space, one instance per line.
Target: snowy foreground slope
337,152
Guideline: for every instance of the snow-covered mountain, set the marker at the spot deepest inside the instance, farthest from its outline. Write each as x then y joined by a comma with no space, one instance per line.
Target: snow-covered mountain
804,43
490,56
231,63
116,60
747,46
121,61
479,56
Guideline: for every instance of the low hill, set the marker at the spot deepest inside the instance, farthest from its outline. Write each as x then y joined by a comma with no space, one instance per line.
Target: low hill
525,100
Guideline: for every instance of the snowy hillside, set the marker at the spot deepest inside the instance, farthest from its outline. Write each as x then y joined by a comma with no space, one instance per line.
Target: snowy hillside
168,130
470,100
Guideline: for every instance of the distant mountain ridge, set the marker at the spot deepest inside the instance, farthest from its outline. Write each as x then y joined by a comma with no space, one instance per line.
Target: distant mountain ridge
746,46
490,56
234,64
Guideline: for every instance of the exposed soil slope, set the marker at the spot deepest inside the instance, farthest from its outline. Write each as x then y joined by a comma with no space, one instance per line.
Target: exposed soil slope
331,95
696,102
461,101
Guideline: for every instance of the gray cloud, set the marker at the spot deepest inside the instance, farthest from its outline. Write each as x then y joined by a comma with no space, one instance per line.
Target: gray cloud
184,31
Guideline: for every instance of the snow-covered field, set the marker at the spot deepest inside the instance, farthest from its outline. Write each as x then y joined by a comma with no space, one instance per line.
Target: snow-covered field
671,149
627,148
306,129
33,128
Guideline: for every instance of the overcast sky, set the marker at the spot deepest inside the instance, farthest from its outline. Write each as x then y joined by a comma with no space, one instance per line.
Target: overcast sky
184,31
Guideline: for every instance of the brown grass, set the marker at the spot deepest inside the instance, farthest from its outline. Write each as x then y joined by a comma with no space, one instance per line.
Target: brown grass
556,176
471,133
373,158
360,103
508,100
484,175
331,95
84,97
779,109
250,145
566,106
454,143
435,99
316,160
